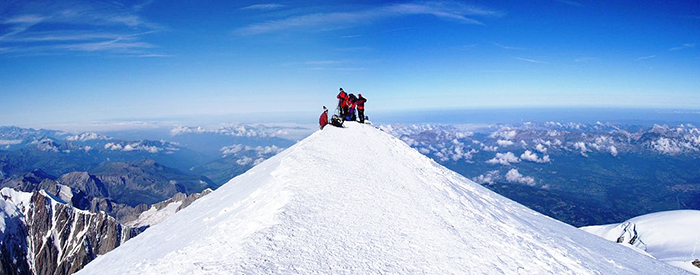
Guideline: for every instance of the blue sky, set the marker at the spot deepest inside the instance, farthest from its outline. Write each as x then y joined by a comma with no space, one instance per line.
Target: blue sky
69,61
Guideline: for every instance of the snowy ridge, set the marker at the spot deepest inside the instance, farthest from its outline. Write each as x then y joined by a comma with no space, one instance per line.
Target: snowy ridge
670,236
358,201
163,210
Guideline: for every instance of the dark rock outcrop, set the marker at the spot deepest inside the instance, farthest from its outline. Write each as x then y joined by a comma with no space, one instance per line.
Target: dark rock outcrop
50,237
147,181
32,181
85,187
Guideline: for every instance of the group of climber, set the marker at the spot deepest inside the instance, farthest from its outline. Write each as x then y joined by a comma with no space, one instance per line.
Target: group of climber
350,108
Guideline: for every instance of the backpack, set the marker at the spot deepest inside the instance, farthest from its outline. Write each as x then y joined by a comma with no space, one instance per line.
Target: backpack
336,121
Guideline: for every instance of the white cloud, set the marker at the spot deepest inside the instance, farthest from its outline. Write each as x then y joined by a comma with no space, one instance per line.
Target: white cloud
613,150
581,146
10,141
113,28
504,133
87,137
504,143
452,11
230,150
530,156
488,178
109,45
236,130
540,148
645,57
514,176
259,150
152,147
269,6
459,153
244,161
504,159
531,60
683,47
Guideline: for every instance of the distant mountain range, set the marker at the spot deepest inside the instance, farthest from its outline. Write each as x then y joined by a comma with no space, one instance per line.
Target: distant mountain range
582,174
235,148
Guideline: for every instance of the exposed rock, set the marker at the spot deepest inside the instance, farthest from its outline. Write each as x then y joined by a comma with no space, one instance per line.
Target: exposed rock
50,237
35,180
147,181
85,187
696,263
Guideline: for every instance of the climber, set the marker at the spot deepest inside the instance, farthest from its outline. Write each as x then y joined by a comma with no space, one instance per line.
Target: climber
342,103
323,120
351,108
361,107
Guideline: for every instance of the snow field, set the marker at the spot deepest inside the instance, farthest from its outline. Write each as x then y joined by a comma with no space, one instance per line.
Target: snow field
670,236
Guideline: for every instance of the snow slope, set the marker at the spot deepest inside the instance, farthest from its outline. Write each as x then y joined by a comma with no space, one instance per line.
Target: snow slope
12,205
359,201
154,216
670,236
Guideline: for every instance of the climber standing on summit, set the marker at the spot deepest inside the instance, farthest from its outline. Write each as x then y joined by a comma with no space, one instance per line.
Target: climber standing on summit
352,103
361,107
342,103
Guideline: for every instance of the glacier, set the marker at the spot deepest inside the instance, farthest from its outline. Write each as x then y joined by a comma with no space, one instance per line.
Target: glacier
670,236
356,200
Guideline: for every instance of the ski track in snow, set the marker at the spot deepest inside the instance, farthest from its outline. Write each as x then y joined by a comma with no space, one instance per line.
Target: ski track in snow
358,201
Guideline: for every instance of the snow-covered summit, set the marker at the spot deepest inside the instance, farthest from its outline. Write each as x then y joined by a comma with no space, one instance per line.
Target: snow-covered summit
358,201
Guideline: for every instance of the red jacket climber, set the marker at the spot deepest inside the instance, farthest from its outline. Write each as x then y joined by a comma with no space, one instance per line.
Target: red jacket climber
323,120
342,102
361,107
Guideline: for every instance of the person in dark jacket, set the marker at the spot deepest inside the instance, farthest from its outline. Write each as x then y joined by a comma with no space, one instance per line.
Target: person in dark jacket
361,107
342,102
323,120
352,104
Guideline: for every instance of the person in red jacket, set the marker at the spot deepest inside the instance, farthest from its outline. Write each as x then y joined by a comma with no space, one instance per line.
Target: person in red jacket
323,120
361,107
342,103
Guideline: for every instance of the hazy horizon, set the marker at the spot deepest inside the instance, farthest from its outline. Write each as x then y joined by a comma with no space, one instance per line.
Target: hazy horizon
628,116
